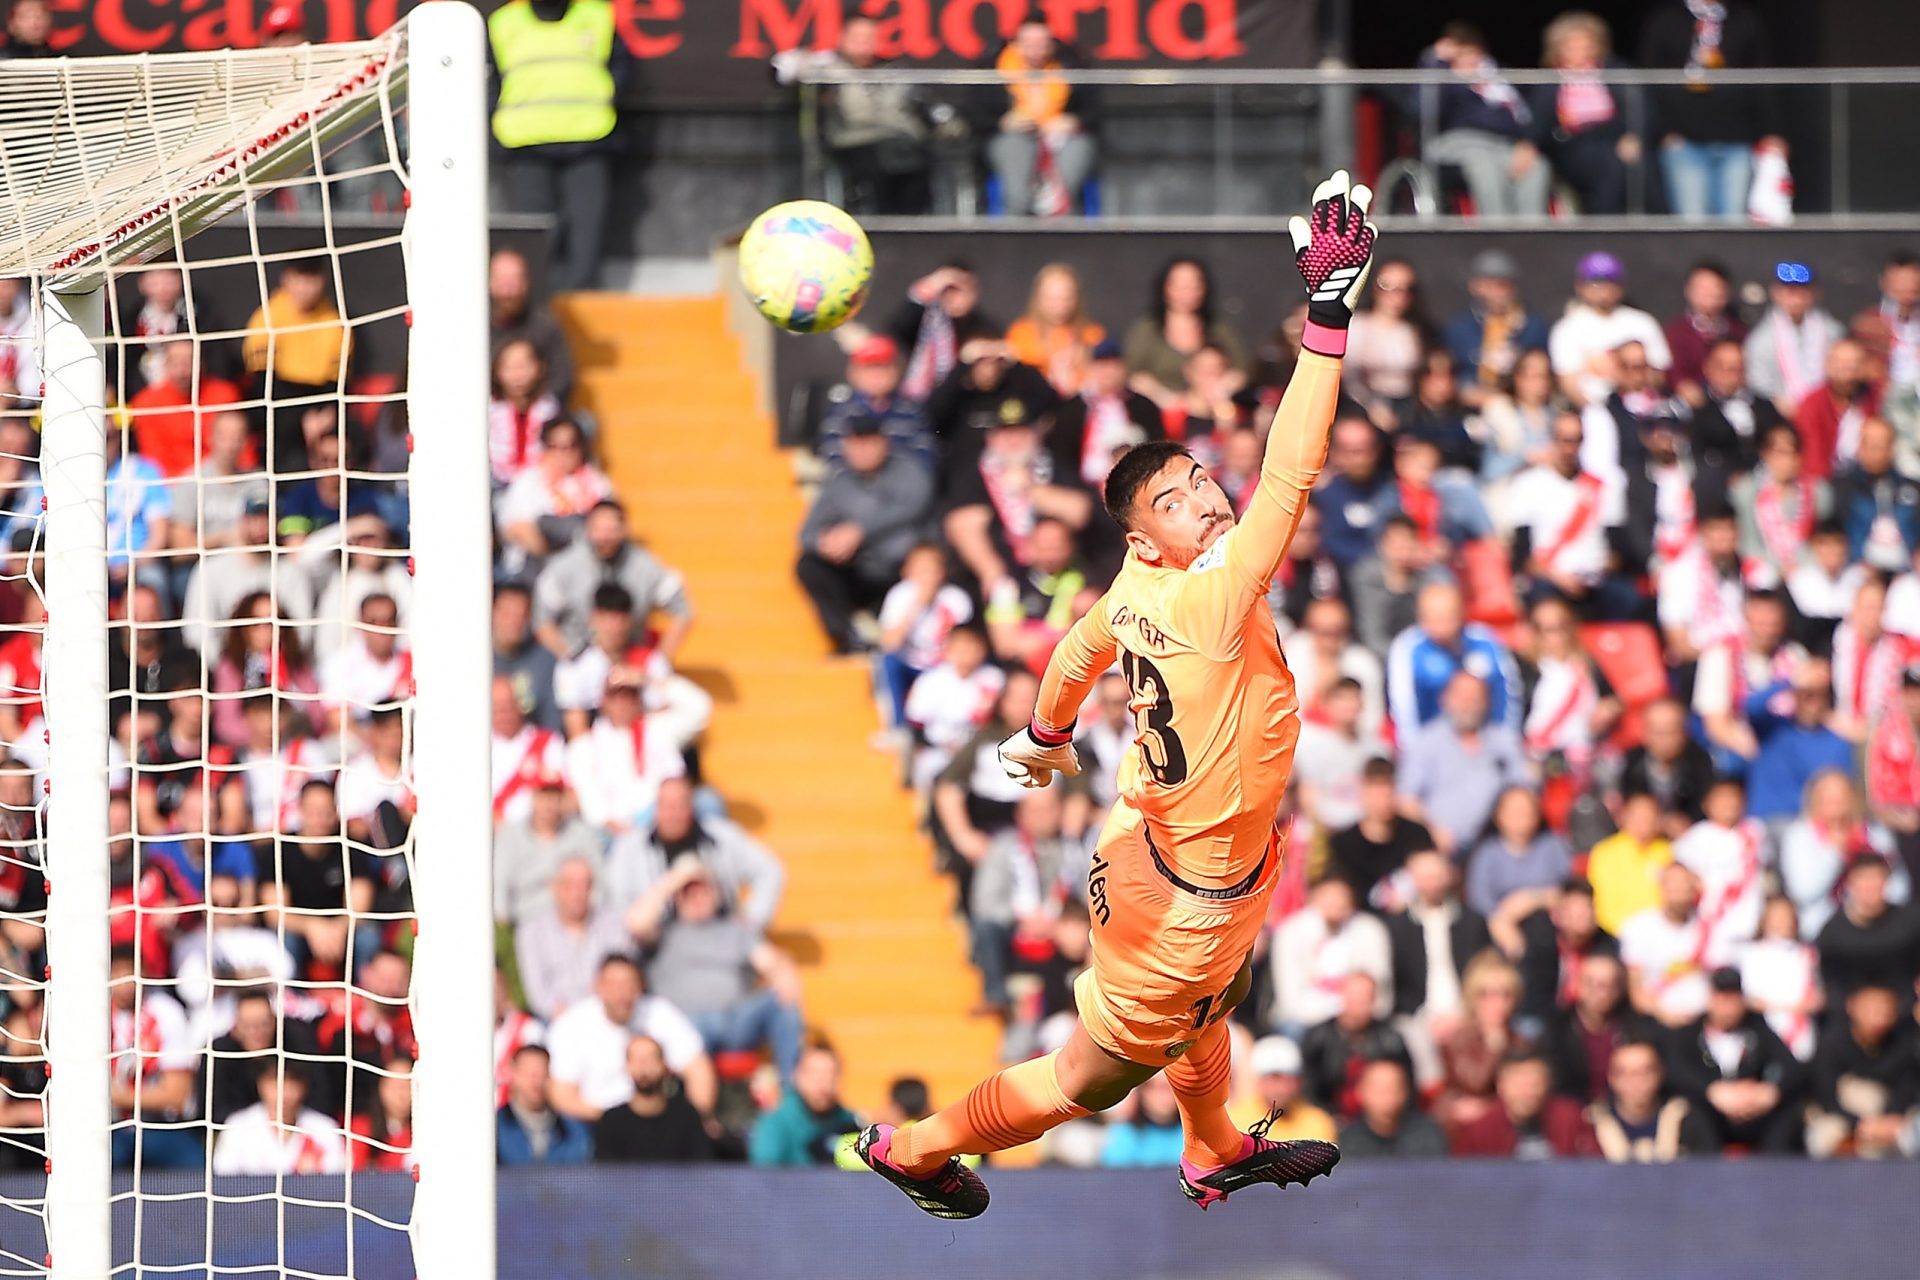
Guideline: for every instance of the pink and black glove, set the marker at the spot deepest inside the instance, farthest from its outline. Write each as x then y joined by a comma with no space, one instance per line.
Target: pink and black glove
1333,247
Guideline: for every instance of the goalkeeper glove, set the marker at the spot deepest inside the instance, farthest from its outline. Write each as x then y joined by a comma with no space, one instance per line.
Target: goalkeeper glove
1032,756
1333,247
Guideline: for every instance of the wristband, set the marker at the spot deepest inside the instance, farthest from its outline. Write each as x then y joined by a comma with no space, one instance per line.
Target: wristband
1324,340
1047,737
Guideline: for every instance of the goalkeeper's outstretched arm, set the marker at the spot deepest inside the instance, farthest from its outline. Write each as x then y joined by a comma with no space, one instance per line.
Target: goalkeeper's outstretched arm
1034,754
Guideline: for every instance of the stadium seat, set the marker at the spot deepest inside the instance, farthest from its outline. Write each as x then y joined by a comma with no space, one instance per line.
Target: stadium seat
1628,654
1486,580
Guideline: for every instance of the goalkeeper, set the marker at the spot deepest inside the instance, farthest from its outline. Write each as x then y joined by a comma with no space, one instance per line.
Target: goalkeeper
1190,854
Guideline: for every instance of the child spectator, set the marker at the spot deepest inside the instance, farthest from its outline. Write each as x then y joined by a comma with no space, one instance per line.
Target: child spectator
279,1134
917,615
1625,868
1781,976
545,505
521,407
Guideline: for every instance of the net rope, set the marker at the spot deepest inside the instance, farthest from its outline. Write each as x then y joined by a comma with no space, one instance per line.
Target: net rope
260,687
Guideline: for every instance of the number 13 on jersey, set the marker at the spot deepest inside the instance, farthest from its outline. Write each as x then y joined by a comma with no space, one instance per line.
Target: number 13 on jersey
1160,750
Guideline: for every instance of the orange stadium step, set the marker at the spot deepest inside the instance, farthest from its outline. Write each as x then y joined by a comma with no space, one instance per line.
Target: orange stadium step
693,456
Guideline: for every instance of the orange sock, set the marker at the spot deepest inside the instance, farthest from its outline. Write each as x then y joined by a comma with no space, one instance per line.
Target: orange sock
1200,1078
1005,1110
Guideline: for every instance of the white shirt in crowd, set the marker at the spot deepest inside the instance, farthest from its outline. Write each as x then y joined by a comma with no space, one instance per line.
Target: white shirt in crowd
1667,958
1692,596
355,680
1780,974
1732,884
254,1143
518,763
617,772
926,642
153,1038
1567,519
1817,595
1583,334
1310,962
364,785
589,1049
235,954
273,782
1331,763
947,708
511,1034
675,705
1356,662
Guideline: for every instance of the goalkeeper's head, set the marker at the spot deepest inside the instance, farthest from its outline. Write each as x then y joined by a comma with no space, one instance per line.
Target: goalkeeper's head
1170,508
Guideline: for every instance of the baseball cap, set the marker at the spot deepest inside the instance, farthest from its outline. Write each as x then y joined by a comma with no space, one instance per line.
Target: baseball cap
1793,273
1014,412
877,349
282,18
1493,264
1600,266
1107,349
256,505
1726,979
1276,1056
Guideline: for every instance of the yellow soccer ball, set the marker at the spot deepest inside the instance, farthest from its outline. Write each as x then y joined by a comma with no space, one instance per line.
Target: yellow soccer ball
806,265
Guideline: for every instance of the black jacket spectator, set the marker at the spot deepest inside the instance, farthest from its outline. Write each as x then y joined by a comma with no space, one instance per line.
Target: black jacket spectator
1575,1049
674,1136
1549,965
1468,935
1895,1067
1692,1070
1067,436
1363,861
1698,113
1334,1058
1721,450
1883,951
1680,783
987,390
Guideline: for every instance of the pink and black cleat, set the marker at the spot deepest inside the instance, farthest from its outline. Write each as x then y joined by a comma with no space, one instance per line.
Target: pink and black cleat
951,1191
1283,1164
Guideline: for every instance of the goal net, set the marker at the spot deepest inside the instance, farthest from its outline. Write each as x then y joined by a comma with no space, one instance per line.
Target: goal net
245,947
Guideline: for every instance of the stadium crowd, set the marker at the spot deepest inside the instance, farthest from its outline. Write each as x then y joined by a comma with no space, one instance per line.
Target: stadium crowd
1606,633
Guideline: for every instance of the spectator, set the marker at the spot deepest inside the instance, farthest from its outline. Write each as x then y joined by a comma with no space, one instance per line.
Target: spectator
1827,833
23,1069
153,1066
1581,1036
1357,499
1211,408
1388,1126
862,524
527,1130
1618,428
1730,1065
676,708
1041,145
1624,869
1144,1132
1369,854
1893,768
523,755
657,1125
327,885
1436,417
1701,592
1055,336
371,671
1337,1050
589,1045
211,965
1706,321
231,1073
940,315
1891,330
223,579
1877,503
1831,416
1668,765
563,595
513,1029
512,316
546,503
279,1134
528,853
383,1132
560,949
1564,520
1486,128
1778,505
1322,653
876,132
1597,325
297,347
1386,345
559,69
1787,350
1276,1065
1386,587
810,1121
872,391
1796,746
1708,132
1331,759
1730,421
741,992
1488,339
996,498
139,513
1725,850
1520,865
1016,887
1317,950
1425,658
986,386
1662,948
261,652
1473,1046
1592,130
1454,769
1869,941
1104,738
1435,939
1554,946
1529,1122
521,407
750,878
918,617
1102,419
29,24
1028,612
170,414
618,764
1180,320
1781,976
1865,1080
373,567
1637,1122
1759,656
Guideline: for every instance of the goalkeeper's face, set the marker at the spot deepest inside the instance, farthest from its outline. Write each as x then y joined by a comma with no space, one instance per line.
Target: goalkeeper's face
1178,514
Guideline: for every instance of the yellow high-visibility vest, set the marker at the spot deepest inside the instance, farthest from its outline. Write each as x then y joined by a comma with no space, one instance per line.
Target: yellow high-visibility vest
554,82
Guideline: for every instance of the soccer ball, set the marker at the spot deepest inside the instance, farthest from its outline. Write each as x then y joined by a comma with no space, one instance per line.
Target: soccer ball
806,265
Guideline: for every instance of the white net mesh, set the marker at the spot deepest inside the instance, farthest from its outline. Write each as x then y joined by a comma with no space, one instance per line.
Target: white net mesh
260,677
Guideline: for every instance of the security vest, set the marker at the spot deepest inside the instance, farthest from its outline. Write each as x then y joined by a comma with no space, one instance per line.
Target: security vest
554,82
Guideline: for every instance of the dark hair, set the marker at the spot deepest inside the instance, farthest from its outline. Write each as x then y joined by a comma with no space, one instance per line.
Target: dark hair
1901,258
383,715
1728,780
372,596
511,587
973,629
234,647
1712,266
911,1097
617,957
561,423
1579,886
1641,1040
526,1049
124,951
1829,529
1137,466
305,266
608,504
1401,522
1157,305
611,597
293,1069
1638,793
251,994
1774,431
1378,769
1346,684
1463,33
1522,1052
312,783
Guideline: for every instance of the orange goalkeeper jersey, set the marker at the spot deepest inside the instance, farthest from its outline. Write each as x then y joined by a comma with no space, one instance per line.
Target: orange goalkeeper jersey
1212,698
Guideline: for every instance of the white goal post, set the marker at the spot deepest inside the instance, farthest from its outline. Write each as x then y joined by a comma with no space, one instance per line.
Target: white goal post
107,164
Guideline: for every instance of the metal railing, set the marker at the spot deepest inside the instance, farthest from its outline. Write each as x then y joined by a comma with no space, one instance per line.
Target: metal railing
1233,134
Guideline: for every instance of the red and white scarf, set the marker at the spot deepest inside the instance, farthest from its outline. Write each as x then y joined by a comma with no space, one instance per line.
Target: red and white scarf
1562,712
1866,677
1720,895
515,1032
1673,513
1782,532
936,350
525,774
1013,502
1107,426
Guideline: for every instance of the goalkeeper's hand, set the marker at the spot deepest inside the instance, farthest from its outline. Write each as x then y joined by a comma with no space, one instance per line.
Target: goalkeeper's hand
1333,247
1032,763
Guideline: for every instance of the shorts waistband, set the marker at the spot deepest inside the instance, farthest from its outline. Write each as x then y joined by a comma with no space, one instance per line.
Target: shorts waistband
1227,894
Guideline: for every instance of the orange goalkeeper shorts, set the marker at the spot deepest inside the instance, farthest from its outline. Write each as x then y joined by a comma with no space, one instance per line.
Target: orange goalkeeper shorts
1163,955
